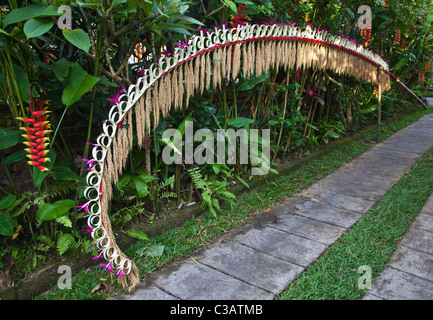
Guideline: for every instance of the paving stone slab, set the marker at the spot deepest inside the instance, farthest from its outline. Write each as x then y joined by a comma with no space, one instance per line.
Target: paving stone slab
393,284
251,266
337,199
412,261
424,222
381,150
283,245
354,188
428,206
419,240
191,281
370,174
308,228
375,166
408,145
318,211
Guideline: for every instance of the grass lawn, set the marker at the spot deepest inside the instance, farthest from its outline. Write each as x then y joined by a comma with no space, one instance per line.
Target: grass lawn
181,241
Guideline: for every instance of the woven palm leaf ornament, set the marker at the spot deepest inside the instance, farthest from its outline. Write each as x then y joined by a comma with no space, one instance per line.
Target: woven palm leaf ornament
207,60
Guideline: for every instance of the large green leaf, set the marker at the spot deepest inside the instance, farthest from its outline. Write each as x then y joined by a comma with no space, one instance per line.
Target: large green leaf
141,186
15,157
155,250
9,138
231,5
239,122
7,201
50,211
123,181
6,228
79,83
61,68
248,84
23,82
37,27
78,38
29,12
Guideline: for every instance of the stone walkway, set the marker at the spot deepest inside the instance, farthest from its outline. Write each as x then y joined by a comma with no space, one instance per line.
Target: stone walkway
260,259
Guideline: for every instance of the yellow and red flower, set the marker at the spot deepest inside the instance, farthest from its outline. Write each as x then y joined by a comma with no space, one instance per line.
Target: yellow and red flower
366,35
36,131
397,37
240,19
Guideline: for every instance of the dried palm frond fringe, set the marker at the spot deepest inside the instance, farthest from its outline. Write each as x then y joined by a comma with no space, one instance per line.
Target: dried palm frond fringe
214,68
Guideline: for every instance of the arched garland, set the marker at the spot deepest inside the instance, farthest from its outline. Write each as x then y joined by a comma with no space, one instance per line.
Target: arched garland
254,49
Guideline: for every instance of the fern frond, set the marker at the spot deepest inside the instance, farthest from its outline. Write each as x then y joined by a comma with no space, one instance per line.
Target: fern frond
62,188
64,242
138,234
47,240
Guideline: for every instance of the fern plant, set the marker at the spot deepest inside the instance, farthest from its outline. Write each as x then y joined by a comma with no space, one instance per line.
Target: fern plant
212,191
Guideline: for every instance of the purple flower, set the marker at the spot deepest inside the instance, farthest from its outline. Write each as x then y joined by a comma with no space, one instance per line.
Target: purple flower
89,166
97,257
84,206
165,54
202,30
115,100
119,273
224,24
182,44
106,265
88,230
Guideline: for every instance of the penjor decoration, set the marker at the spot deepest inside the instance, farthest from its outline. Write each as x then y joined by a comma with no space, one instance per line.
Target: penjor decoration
209,59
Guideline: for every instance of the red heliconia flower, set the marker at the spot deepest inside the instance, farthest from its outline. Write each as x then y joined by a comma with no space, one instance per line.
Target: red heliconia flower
376,92
366,35
238,20
35,136
385,4
421,78
428,67
397,37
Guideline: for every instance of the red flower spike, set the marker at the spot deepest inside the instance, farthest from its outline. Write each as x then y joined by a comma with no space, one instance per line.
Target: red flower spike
36,140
